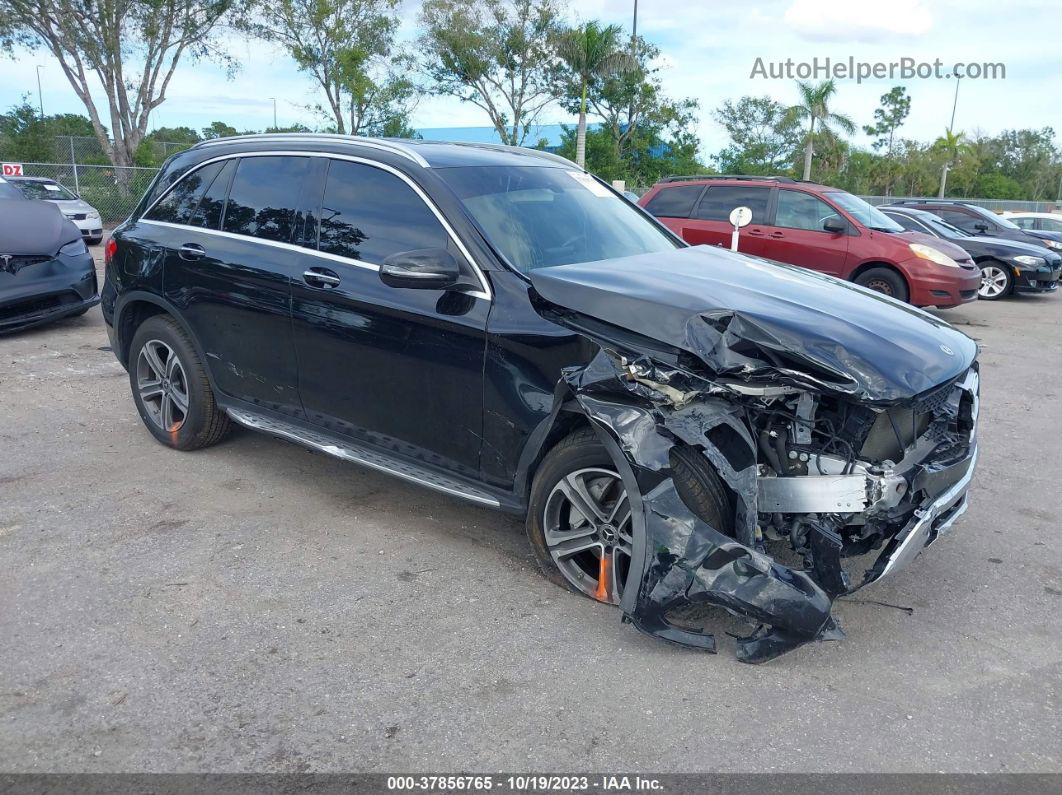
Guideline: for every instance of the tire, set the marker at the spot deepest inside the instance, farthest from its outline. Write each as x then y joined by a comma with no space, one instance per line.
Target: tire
557,532
997,281
160,344
885,281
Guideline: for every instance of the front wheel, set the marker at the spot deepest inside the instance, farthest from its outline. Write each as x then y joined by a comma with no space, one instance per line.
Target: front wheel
171,389
885,281
996,282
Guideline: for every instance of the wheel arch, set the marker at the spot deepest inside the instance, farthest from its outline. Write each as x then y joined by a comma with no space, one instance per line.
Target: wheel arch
866,266
136,307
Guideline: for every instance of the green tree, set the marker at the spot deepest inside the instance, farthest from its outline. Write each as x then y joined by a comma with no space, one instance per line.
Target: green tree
949,144
126,51
498,55
219,129
888,118
27,137
347,48
815,107
592,53
763,136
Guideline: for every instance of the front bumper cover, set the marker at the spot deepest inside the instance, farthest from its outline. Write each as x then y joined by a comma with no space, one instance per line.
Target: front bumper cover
680,561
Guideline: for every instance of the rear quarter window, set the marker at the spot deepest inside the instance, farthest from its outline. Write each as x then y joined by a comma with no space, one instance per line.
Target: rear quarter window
674,202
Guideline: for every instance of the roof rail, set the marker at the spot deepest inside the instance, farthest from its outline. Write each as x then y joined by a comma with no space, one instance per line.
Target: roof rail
690,177
385,144
930,201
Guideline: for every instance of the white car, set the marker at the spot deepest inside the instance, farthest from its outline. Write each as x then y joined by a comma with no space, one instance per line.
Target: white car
1038,222
84,216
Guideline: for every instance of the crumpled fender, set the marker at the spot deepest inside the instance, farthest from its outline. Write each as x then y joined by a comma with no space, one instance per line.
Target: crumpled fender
678,560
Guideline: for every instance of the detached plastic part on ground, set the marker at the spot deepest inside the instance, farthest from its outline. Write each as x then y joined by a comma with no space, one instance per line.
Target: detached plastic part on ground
674,371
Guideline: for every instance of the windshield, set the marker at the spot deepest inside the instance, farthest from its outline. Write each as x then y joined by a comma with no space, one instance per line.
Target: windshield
868,215
943,227
537,217
49,191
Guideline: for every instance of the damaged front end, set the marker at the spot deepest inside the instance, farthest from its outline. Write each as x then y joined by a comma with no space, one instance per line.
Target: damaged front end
823,464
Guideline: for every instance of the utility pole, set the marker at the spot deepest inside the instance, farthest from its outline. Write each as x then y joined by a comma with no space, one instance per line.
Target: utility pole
274,112
955,104
634,54
40,94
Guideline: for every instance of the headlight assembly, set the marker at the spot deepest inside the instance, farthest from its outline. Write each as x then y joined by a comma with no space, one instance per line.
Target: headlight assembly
1030,261
74,249
1053,244
933,255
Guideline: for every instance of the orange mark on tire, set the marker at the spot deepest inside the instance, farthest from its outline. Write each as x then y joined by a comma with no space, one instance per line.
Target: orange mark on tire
601,594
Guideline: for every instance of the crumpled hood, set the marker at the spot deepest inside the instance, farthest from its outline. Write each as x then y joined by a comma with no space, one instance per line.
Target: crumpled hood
747,318
33,228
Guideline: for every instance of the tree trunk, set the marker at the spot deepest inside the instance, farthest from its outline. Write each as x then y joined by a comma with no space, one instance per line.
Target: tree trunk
943,180
580,136
809,150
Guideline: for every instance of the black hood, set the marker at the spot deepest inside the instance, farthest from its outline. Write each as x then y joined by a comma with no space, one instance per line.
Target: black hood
747,318
34,228
1004,247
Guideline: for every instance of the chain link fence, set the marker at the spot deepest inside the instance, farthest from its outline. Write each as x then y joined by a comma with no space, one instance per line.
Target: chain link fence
995,205
112,190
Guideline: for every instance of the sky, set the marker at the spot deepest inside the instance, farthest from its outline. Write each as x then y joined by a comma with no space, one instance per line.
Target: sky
709,50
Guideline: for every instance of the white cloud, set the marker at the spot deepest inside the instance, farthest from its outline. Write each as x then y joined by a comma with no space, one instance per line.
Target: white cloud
844,20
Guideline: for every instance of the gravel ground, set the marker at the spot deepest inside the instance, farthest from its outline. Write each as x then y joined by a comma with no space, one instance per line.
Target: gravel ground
258,607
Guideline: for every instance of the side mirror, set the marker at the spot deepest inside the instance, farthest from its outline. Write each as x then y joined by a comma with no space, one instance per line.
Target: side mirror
423,269
835,226
981,227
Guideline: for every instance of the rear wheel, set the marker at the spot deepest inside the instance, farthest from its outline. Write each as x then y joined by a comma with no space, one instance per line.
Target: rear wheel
996,282
885,281
171,389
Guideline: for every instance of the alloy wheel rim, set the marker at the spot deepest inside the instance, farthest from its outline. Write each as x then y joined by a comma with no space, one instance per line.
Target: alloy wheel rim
993,282
162,385
588,531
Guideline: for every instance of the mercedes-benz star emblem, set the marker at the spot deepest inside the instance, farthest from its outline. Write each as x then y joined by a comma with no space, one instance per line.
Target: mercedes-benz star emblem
947,350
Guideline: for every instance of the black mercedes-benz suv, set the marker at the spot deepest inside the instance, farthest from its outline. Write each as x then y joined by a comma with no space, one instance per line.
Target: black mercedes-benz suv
498,325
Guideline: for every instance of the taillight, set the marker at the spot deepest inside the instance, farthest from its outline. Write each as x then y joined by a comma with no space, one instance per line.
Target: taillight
108,250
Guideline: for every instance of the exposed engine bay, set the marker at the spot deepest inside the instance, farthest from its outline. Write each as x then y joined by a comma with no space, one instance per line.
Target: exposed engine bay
820,459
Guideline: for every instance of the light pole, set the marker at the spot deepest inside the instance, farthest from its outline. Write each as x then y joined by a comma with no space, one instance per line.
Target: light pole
40,94
955,103
274,112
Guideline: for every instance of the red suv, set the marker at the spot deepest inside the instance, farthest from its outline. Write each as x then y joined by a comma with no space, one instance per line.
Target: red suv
817,227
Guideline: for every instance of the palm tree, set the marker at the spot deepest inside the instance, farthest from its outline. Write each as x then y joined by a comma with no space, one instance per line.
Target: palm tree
592,52
815,107
950,142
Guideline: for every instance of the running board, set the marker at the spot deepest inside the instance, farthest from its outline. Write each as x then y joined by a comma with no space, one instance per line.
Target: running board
373,459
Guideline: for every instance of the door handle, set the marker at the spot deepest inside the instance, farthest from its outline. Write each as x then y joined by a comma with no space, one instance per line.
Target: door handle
777,235
755,233
321,277
192,252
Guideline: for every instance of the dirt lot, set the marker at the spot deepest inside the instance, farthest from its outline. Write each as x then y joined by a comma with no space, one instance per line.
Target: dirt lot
259,607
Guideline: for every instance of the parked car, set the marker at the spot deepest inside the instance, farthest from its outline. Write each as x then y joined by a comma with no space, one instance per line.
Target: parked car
497,325
1007,266
85,217
46,272
1036,222
817,227
9,191
978,221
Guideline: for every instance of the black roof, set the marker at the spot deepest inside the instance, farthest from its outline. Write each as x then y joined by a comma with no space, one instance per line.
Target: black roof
426,154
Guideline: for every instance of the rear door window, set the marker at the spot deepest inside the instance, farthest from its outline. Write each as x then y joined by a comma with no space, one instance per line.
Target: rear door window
208,214
264,197
368,214
719,200
177,206
676,202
